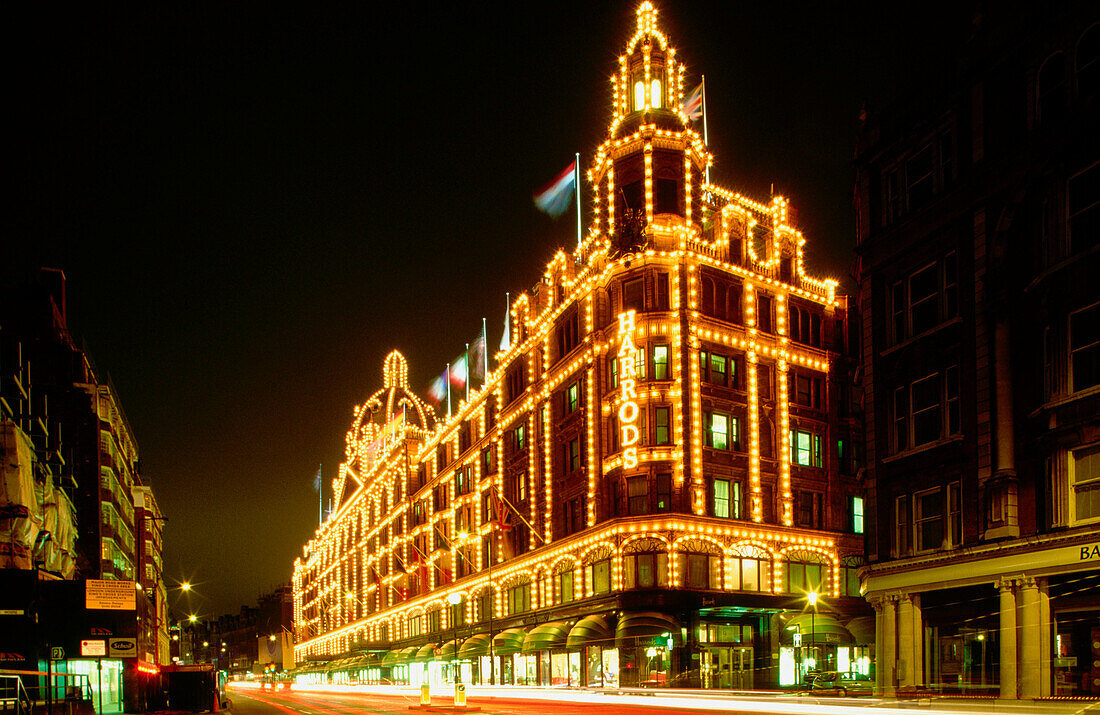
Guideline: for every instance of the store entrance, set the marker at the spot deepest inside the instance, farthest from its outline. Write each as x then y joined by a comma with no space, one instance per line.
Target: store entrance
728,668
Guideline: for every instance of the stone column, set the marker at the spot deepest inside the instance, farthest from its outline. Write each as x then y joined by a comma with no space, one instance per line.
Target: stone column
1007,638
887,659
918,641
879,605
905,641
1044,639
1030,654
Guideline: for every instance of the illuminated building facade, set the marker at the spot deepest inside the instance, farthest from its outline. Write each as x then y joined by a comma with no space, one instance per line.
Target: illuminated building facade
652,480
978,232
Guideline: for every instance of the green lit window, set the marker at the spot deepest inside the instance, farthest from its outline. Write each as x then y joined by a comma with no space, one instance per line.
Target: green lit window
660,362
572,396
857,515
718,430
722,498
718,369
805,448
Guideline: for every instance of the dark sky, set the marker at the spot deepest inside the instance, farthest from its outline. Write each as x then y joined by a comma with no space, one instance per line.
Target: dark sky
255,203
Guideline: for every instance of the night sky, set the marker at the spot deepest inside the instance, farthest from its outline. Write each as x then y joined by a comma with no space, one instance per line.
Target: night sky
255,203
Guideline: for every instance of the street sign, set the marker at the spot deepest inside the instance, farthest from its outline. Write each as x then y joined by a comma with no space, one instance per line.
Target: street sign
797,640
93,648
11,611
57,653
110,595
121,648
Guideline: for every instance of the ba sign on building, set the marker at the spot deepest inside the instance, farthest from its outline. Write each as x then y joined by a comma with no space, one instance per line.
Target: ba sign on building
666,433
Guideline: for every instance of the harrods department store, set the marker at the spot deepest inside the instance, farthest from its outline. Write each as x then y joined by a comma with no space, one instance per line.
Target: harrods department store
652,480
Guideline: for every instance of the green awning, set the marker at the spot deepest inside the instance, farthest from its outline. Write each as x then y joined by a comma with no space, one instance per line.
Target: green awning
548,636
474,646
425,653
592,630
645,629
509,641
447,650
407,654
862,629
391,659
815,629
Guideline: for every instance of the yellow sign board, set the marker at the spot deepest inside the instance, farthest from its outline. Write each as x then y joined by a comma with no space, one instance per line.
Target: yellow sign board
109,595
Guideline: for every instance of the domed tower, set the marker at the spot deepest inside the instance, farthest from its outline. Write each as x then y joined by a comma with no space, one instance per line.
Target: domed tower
649,171
390,416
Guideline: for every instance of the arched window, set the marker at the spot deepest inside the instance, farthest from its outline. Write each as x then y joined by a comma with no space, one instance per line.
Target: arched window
750,569
565,581
645,564
1088,62
1052,90
805,571
597,571
700,564
639,96
655,94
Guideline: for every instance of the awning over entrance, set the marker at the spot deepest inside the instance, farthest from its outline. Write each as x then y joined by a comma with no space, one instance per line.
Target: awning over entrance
816,629
591,630
546,637
447,650
391,659
406,655
474,646
644,629
509,641
862,629
425,653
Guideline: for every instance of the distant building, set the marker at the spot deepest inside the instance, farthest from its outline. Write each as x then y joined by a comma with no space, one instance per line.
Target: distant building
652,485
71,480
979,224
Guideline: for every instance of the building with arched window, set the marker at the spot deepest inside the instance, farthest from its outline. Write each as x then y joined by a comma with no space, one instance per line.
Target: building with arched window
654,483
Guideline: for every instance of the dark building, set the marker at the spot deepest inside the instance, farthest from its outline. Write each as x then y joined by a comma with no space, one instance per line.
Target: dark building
71,477
979,214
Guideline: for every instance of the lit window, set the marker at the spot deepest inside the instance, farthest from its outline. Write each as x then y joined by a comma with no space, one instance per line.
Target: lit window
857,515
805,449
655,93
722,498
1085,482
660,423
572,395
718,431
639,95
660,362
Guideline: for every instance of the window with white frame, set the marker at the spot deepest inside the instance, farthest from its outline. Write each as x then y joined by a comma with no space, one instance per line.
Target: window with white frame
806,449
1084,347
926,410
1085,483
928,520
857,515
925,298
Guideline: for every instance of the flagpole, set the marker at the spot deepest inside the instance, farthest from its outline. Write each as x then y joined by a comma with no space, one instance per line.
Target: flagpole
320,497
447,379
577,191
705,142
484,351
467,372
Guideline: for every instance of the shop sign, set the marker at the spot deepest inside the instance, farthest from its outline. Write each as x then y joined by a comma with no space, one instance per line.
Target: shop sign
57,653
11,611
628,406
110,595
122,647
93,648
1090,552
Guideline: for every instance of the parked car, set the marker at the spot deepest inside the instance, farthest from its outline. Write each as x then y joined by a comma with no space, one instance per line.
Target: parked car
841,683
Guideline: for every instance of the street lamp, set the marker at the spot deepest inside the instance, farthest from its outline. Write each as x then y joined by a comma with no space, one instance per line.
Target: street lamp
811,599
454,598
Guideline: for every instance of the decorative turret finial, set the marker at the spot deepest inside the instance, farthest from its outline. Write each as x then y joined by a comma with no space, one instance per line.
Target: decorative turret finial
395,371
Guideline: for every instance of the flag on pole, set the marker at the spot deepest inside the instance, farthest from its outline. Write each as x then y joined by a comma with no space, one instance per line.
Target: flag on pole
478,355
693,103
460,372
437,391
554,197
317,480
506,338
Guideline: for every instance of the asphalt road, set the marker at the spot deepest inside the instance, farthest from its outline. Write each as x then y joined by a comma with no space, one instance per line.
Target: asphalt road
250,700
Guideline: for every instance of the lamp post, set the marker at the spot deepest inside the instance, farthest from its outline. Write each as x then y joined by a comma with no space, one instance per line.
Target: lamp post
811,599
454,599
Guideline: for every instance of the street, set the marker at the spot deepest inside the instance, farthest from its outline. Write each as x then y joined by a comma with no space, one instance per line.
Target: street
247,699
